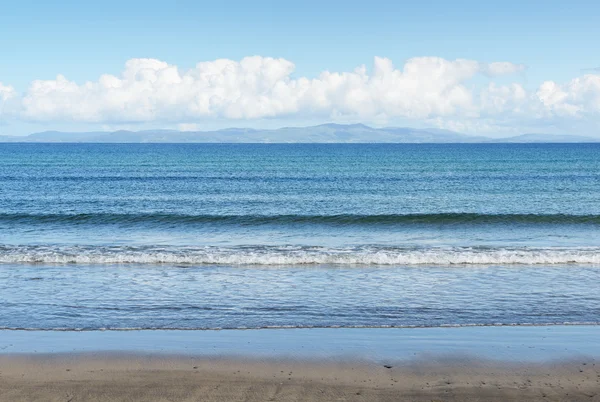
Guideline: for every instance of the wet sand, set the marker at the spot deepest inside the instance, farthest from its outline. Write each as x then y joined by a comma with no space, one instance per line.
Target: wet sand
89,377
559,363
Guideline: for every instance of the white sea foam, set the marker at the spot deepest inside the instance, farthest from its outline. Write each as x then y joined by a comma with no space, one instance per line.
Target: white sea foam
261,255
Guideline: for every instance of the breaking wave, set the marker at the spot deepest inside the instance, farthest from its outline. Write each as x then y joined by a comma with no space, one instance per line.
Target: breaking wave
296,255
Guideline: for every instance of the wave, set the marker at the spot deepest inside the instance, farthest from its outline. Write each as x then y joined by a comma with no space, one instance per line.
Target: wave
297,255
338,220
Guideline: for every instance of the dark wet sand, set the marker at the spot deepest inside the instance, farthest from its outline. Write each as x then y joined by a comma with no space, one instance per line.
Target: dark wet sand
135,377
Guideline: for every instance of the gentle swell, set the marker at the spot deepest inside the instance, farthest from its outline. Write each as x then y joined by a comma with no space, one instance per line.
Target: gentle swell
293,255
341,220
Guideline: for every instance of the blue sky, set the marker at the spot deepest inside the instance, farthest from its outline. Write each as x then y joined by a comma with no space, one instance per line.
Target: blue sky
552,42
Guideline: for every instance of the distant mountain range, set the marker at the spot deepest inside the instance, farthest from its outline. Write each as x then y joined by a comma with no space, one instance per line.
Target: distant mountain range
325,133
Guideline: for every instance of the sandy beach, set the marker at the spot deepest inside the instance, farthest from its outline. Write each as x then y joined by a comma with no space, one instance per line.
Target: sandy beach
559,363
145,378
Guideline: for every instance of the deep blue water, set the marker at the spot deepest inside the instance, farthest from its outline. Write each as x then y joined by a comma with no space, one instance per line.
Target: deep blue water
228,236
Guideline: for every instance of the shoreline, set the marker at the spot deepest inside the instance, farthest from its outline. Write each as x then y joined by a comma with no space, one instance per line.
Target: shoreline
307,327
504,343
416,364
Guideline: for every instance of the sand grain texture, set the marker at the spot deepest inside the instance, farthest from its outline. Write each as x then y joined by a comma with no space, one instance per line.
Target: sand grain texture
101,378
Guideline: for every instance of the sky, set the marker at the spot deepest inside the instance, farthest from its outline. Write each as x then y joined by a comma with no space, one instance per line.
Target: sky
490,68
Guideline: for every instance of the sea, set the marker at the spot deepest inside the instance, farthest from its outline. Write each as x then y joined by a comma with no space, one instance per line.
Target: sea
241,236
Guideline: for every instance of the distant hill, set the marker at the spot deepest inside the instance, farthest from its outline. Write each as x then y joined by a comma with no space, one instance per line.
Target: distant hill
324,133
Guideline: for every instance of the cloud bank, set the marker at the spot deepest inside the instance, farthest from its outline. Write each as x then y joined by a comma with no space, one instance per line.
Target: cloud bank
430,89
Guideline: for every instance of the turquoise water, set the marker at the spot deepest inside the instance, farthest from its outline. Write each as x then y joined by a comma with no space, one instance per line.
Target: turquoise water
232,236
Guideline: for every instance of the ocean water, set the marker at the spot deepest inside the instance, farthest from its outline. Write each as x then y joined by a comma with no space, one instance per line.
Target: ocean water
197,236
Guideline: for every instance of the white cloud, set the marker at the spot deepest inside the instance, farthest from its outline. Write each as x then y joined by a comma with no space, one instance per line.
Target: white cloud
502,68
6,92
499,99
428,89
257,87
580,96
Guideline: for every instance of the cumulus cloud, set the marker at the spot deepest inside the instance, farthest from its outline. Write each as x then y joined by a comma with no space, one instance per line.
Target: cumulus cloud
579,97
424,88
260,87
6,92
502,68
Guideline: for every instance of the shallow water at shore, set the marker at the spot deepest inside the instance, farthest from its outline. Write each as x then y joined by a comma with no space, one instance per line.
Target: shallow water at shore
376,345
203,297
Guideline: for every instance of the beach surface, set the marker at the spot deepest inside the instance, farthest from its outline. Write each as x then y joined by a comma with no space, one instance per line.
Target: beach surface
146,378
558,363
